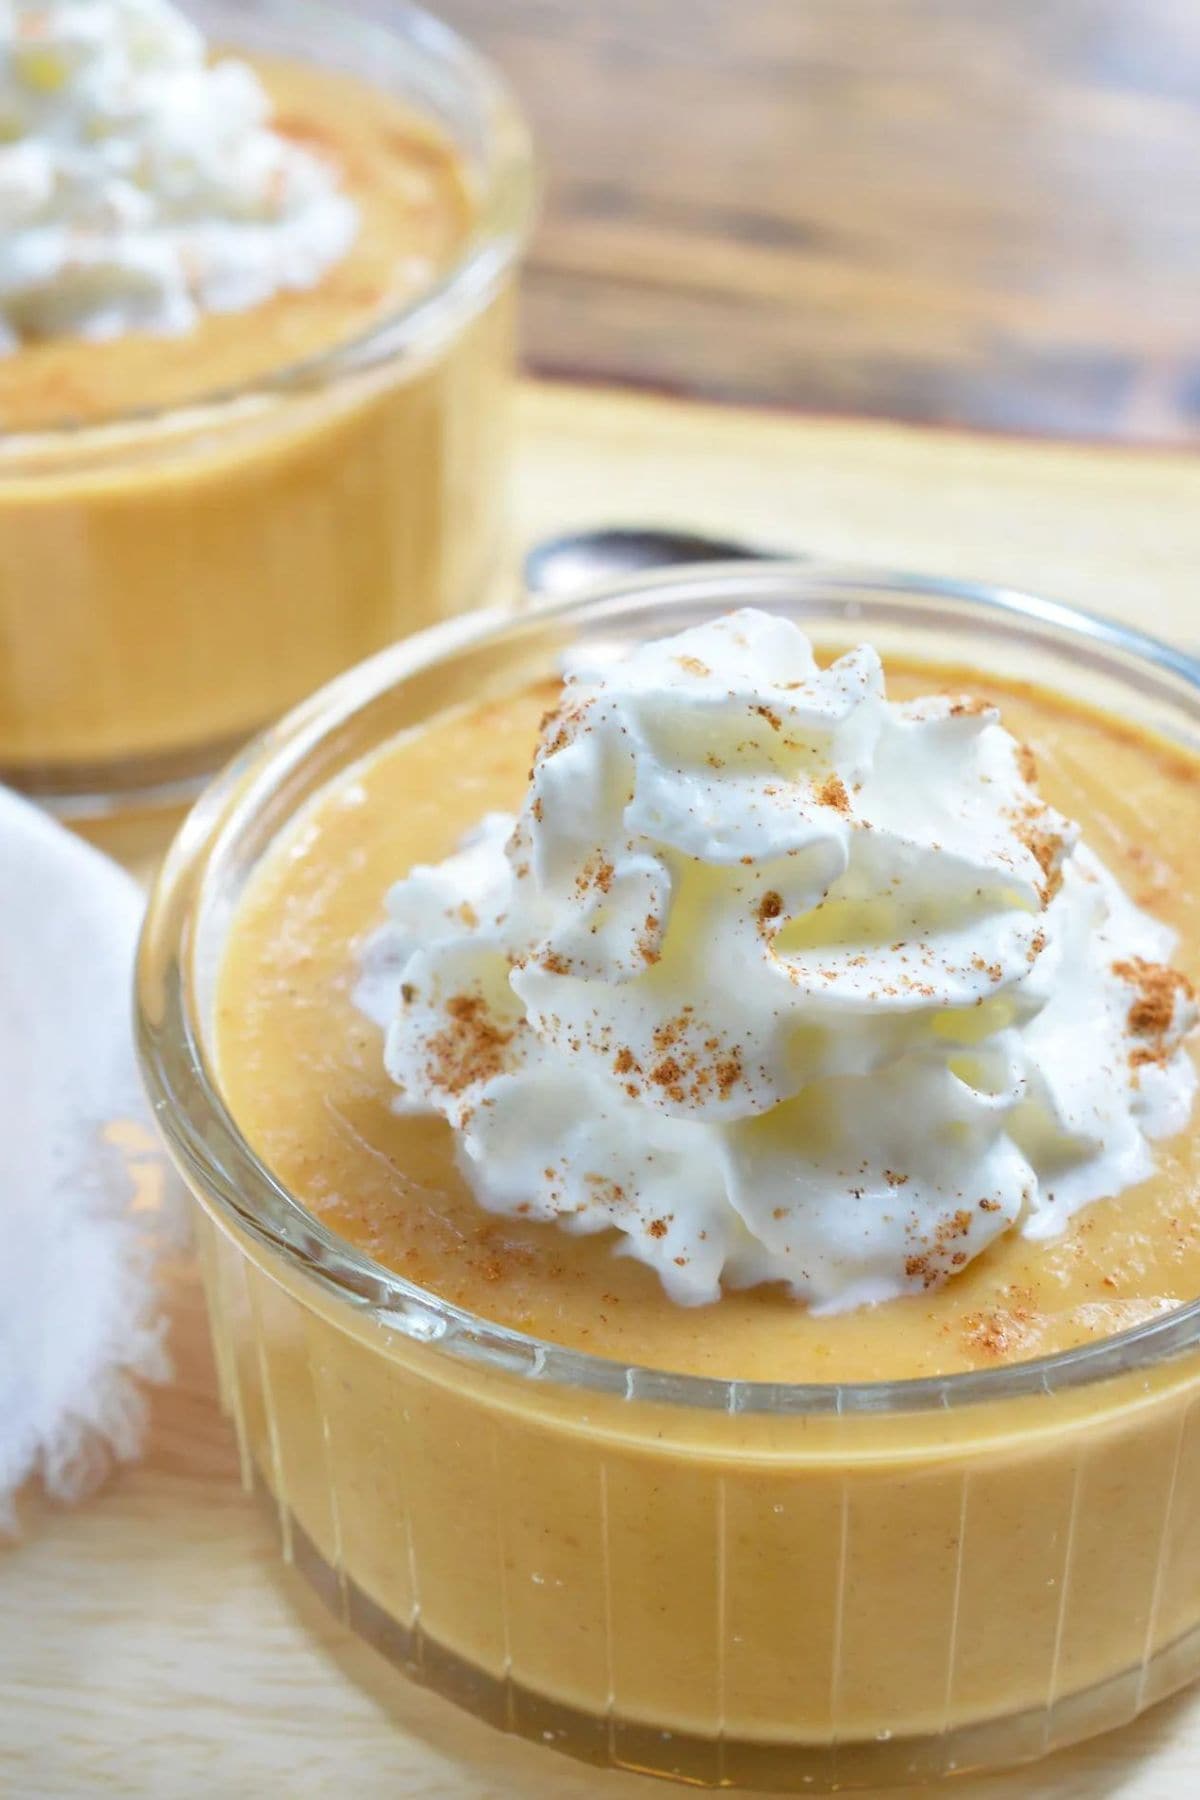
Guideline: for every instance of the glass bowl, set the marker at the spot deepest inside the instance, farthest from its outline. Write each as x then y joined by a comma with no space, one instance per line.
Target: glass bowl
173,579
728,1582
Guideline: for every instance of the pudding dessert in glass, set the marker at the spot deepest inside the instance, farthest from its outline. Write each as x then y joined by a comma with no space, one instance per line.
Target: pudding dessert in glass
703,1238
255,345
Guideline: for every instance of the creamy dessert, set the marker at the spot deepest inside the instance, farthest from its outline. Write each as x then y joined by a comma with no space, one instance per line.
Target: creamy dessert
203,512
142,187
782,982
780,1028
771,985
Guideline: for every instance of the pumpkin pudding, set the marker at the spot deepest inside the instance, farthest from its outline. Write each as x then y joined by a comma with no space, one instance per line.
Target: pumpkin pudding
737,1475
253,424
304,1073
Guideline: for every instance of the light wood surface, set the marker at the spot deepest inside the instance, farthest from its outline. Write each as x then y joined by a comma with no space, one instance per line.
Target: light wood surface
981,212
151,1644
1112,529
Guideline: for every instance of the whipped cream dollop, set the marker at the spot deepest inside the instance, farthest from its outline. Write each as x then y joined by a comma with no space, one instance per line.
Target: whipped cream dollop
140,185
782,981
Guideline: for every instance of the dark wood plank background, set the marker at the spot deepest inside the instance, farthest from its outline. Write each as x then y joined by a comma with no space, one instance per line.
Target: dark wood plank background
981,212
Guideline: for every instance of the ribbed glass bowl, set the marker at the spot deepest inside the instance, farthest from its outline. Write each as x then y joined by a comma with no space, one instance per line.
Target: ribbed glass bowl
732,1583
172,578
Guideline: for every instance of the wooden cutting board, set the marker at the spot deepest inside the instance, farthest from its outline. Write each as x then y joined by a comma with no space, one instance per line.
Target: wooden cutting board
151,1643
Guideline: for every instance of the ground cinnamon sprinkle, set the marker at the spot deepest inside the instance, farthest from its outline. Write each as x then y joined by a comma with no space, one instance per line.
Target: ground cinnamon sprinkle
956,1226
1152,1013
1045,846
969,708
605,1188
773,719
559,728
669,1075
729,1073
998,1331
1027,763
929,1265
832,792
691,665
469,1049
596,872
690,1067
769,907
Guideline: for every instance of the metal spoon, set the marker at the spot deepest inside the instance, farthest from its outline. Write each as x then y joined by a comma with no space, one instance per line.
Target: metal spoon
559,567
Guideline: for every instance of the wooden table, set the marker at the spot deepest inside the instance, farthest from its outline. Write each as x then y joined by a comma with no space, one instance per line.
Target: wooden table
151,1644
979,212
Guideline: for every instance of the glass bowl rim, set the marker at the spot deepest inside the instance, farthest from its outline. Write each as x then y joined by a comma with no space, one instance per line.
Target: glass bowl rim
499,232
319,1254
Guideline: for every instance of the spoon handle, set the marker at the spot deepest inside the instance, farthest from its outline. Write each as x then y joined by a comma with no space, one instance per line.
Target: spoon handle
559,567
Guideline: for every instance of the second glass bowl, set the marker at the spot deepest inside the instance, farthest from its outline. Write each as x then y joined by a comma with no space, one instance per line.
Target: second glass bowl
171,580
731,1583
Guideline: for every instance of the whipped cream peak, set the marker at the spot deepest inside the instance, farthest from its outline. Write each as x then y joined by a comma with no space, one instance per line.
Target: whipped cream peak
140,185
782,980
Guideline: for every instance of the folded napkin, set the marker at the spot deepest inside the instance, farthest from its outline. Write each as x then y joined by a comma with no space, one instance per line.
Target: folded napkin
81,1185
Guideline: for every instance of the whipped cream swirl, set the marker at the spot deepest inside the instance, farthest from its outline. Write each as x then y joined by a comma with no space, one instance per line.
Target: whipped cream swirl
782,981
141,186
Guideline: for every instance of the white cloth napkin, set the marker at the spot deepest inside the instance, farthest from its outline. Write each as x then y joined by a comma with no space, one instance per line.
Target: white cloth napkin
81,1185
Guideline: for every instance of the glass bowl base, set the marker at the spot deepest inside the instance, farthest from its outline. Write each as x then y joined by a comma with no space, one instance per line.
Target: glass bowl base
611,1742
78,792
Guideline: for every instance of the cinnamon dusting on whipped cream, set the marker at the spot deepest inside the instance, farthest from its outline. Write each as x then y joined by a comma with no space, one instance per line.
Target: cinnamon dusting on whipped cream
143,185
1161,994
782,981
